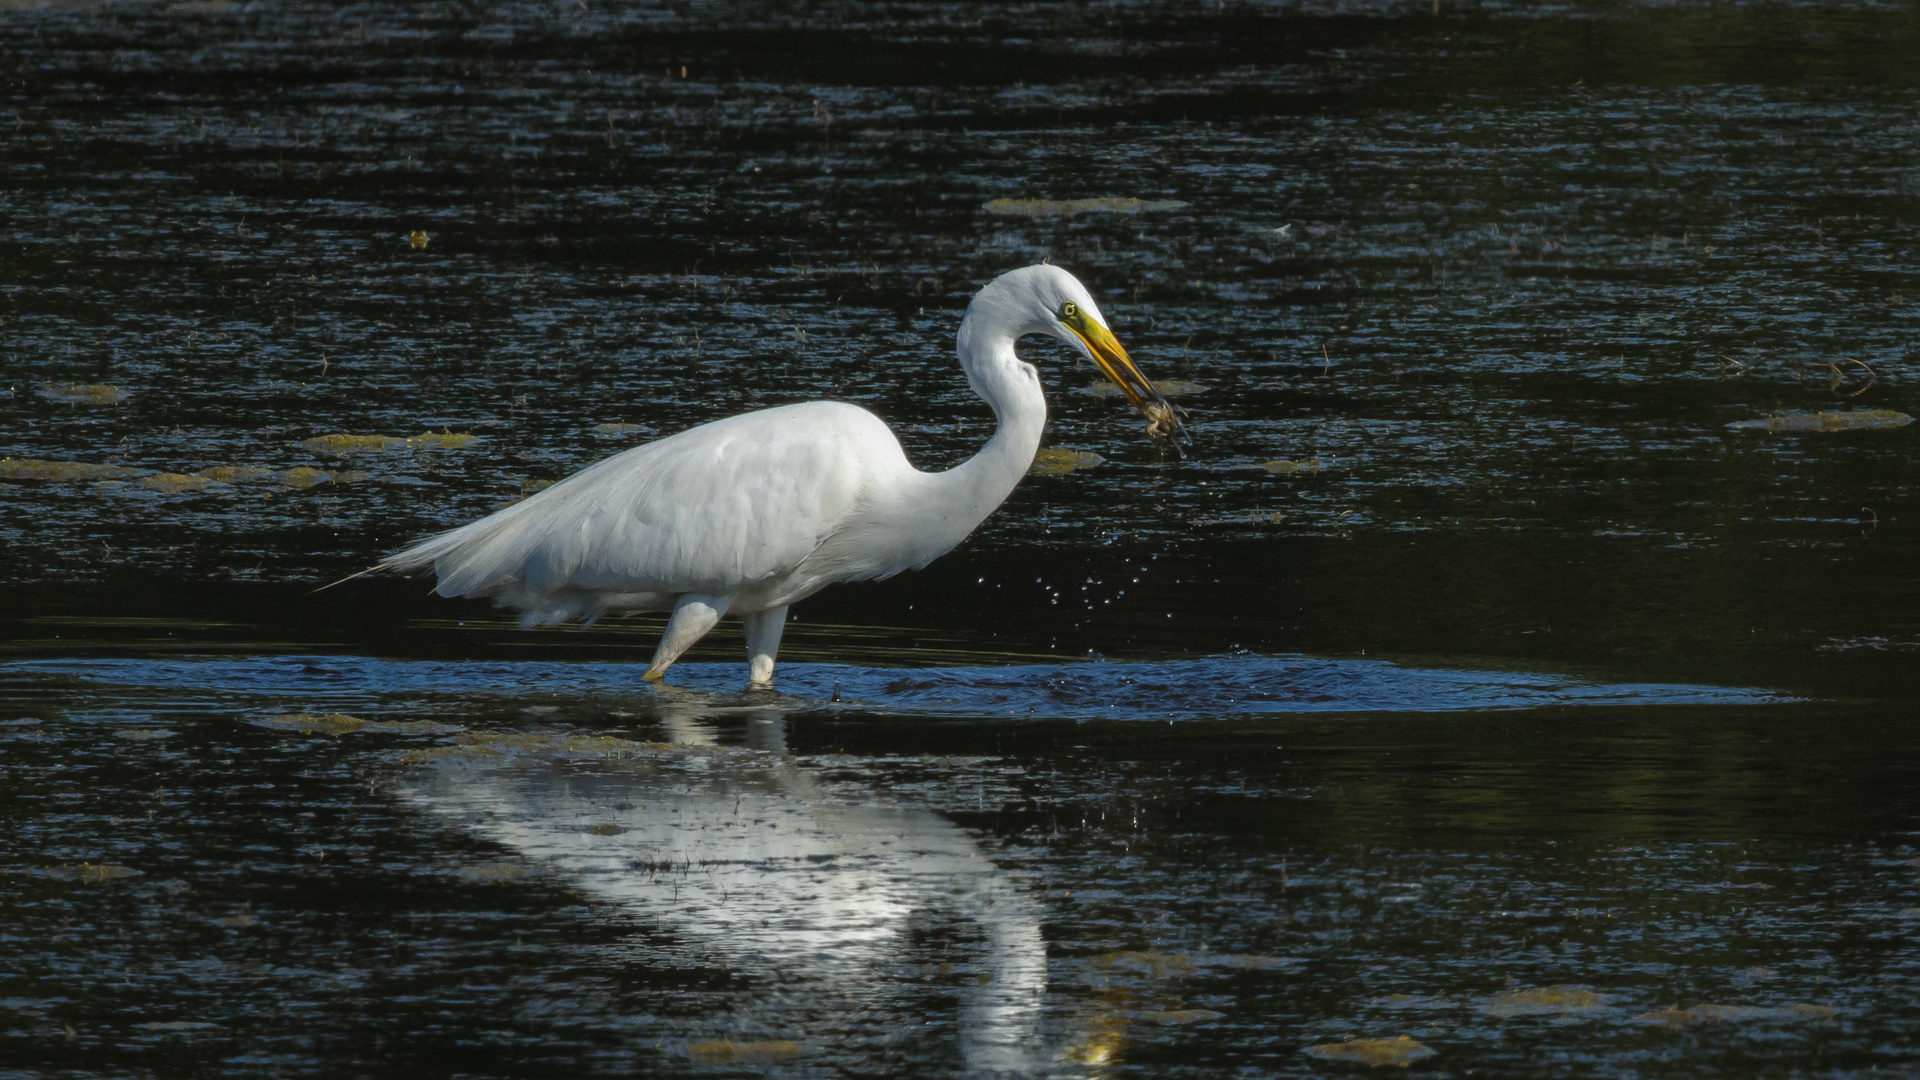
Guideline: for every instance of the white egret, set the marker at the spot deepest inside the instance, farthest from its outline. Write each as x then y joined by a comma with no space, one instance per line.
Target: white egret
749,514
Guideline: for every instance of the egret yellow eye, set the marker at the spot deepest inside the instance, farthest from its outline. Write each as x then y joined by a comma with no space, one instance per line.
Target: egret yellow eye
1069,309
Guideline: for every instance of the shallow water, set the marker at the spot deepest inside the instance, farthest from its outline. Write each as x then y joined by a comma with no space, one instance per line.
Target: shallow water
1523,669
545,882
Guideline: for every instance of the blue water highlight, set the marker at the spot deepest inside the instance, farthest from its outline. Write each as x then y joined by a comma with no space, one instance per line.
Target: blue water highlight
1219,686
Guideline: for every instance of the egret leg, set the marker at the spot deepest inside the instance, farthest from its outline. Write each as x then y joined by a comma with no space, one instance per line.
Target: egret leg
693,615
763,643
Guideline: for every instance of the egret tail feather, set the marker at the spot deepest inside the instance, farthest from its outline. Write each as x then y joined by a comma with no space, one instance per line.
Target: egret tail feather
369,570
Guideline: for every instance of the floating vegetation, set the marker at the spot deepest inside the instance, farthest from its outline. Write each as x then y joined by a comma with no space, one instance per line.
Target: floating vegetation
718,1050
29,469
335,724
88,873
1851,420
1052,462
1283,467
1039,208
352,444
144,734
1374,1053
444,440
417,239
306,478
173,482
237,474
237,922
338,724
1167,388
360,444
494,873
621,428
83,393
1733,1014
606,830
1544,1000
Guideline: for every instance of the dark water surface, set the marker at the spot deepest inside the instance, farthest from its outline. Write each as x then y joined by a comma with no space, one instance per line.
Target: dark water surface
1474,681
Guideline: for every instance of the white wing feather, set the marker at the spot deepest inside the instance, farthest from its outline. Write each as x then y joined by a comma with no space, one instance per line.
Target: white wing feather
726,504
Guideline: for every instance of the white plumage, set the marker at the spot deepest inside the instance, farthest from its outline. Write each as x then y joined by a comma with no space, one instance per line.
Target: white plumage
752,513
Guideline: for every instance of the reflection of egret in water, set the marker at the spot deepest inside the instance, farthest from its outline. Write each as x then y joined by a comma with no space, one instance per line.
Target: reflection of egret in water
831,911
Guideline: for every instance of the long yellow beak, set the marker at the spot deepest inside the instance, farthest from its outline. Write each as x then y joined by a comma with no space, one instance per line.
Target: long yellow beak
1163,420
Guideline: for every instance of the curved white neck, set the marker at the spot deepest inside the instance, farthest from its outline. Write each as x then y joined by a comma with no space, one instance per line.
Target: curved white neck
970,491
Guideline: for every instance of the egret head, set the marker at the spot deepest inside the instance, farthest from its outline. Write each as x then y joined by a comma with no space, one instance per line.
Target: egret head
1048,300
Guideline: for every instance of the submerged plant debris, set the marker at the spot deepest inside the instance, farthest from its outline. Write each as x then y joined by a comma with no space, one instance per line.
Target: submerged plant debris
88,873
337,724
1051,462
83,393
1733,1014
1180,1016
1167,388
1374,1053
1544,1000
722,1050
1156,965
1101,1046
1038,208
1284,467
1150,963
1245,962
1852,420
170,482
1411,1001
360,444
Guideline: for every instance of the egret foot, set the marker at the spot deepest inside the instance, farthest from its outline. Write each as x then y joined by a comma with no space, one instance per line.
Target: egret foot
763,644
693,615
